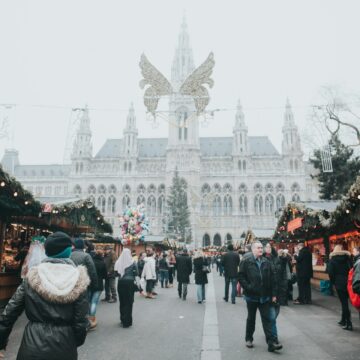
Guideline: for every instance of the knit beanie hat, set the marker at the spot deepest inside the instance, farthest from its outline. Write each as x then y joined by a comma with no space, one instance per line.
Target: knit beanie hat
57,243
79,244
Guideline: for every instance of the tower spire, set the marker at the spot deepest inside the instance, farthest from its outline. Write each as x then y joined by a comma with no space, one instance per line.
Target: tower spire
288,115
239,117
183,63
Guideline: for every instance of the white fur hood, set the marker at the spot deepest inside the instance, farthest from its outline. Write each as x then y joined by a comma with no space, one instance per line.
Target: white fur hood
58,282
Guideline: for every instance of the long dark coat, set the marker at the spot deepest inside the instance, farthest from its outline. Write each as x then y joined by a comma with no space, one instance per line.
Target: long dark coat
231,261
200,275
184,268
338,269
57,324
304,267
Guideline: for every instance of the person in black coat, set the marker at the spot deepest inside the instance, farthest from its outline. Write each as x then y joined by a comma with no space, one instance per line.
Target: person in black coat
257,277
304,273
338,270
201,267
95,293
230,262
126,268
184,269
54,298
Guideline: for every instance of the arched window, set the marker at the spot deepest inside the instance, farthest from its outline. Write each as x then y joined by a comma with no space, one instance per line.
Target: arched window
258,187
161,204
242,188
240,165
280,187
151,206
269,204
112,189
102,189
291,165
244,165
111,206
130,165
227,205
141,189
258,204
205,189
161,189
151,189
217,188
101,203
243,204
206,240
228,238
296,165
295,187
125,166
77,190
227,188
217,240
296,198
126,189
91,189
125,202
140,200
217,205
269,187
280,201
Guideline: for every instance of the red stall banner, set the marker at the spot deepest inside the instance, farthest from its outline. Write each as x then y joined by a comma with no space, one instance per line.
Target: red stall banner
294,224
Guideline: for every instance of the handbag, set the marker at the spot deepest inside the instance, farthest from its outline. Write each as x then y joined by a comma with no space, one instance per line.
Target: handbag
206,269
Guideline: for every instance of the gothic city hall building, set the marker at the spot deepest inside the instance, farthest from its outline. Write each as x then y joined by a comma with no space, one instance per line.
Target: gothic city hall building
235,183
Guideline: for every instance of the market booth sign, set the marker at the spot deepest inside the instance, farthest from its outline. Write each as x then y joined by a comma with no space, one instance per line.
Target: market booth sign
294,224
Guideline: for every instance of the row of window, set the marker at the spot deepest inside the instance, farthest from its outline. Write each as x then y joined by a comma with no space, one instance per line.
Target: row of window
216,239
48,190
227,188
102,189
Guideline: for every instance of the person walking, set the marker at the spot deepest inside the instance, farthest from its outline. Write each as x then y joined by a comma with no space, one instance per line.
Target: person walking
338,269
201,267
95,293
183,269
149,273
54,297
127,270
304,273
80,257
230,263
164,271
284,278
172,262
257,277
110,288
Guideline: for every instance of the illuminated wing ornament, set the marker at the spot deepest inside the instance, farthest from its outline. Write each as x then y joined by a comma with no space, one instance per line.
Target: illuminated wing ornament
159,85
193,86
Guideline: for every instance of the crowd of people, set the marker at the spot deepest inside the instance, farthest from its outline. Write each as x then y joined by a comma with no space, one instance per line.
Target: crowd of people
61,294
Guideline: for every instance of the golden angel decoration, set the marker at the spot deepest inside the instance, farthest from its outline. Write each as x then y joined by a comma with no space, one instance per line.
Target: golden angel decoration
193,85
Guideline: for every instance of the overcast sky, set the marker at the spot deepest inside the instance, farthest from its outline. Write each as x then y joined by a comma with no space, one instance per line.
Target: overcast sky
68,53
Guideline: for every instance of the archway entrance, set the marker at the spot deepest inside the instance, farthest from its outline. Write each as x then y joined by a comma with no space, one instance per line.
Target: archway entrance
217,240
206,240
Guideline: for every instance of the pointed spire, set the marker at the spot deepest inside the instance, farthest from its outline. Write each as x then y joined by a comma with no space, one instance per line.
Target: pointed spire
183,63
288,115
84,126
239,117
131,118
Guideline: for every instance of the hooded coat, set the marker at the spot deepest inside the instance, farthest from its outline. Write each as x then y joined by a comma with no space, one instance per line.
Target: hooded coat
184,268
53,296
338,269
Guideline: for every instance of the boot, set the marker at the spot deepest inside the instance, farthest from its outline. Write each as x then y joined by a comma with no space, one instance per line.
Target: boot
93,322
348,325
342,322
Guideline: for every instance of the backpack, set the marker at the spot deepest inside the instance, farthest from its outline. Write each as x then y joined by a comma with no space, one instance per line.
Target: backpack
354,298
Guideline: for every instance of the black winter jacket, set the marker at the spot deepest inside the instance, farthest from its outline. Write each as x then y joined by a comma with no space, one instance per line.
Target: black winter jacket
57,323
231,261
304,267
338,269
101,272
163,264
184,268
200,275
79,257
254,282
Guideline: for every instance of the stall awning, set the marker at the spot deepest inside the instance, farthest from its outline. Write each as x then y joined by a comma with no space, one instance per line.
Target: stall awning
154,238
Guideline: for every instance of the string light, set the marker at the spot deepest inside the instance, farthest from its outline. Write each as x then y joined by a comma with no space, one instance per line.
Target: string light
347,211
2,184
15,194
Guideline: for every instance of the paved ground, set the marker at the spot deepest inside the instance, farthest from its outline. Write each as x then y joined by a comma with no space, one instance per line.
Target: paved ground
168,328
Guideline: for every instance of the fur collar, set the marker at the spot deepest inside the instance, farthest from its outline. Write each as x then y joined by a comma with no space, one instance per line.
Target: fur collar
58,282
339,253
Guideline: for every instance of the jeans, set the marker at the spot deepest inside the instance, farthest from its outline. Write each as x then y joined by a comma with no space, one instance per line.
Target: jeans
171,275
110,290
274,313
182,289
200,291
164,277
93,301
233,282
265,319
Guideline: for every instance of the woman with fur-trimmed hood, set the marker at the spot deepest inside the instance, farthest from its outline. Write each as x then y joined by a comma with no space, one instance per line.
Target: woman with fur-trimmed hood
53,296
338,270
